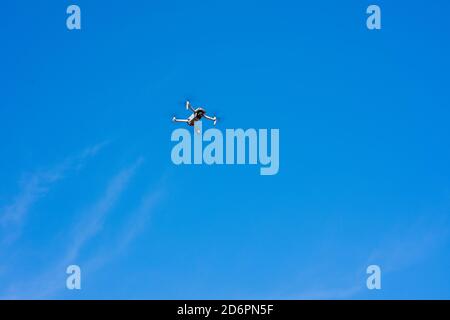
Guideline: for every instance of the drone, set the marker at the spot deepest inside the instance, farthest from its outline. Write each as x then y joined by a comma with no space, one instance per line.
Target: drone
198,114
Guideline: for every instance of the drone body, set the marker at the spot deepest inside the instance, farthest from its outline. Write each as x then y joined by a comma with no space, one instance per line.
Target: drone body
197,114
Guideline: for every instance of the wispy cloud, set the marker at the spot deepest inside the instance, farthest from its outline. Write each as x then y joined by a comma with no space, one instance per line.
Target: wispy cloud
139,218
410,245
330,293
96,215
35,186
92,221
135,225
407,245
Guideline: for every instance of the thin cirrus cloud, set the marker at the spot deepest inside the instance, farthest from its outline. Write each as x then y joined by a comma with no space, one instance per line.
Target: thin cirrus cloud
51,281
95,216
412,244
407,245
35,186
132,229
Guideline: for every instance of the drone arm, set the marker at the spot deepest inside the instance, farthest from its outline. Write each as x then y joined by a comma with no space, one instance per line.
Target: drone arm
188,106
179,120
210,118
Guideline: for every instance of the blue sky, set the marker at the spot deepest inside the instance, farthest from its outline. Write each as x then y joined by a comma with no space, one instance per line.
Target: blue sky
364,150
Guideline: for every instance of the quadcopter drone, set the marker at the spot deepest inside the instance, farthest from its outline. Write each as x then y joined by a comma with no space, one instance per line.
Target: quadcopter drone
197,115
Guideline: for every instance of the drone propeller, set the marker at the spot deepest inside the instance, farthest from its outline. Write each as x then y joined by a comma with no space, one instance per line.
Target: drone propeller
182,102
217,119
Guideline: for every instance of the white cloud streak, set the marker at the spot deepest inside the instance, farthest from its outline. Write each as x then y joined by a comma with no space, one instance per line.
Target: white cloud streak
132,229
96,215
399,250
34,187
51,281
